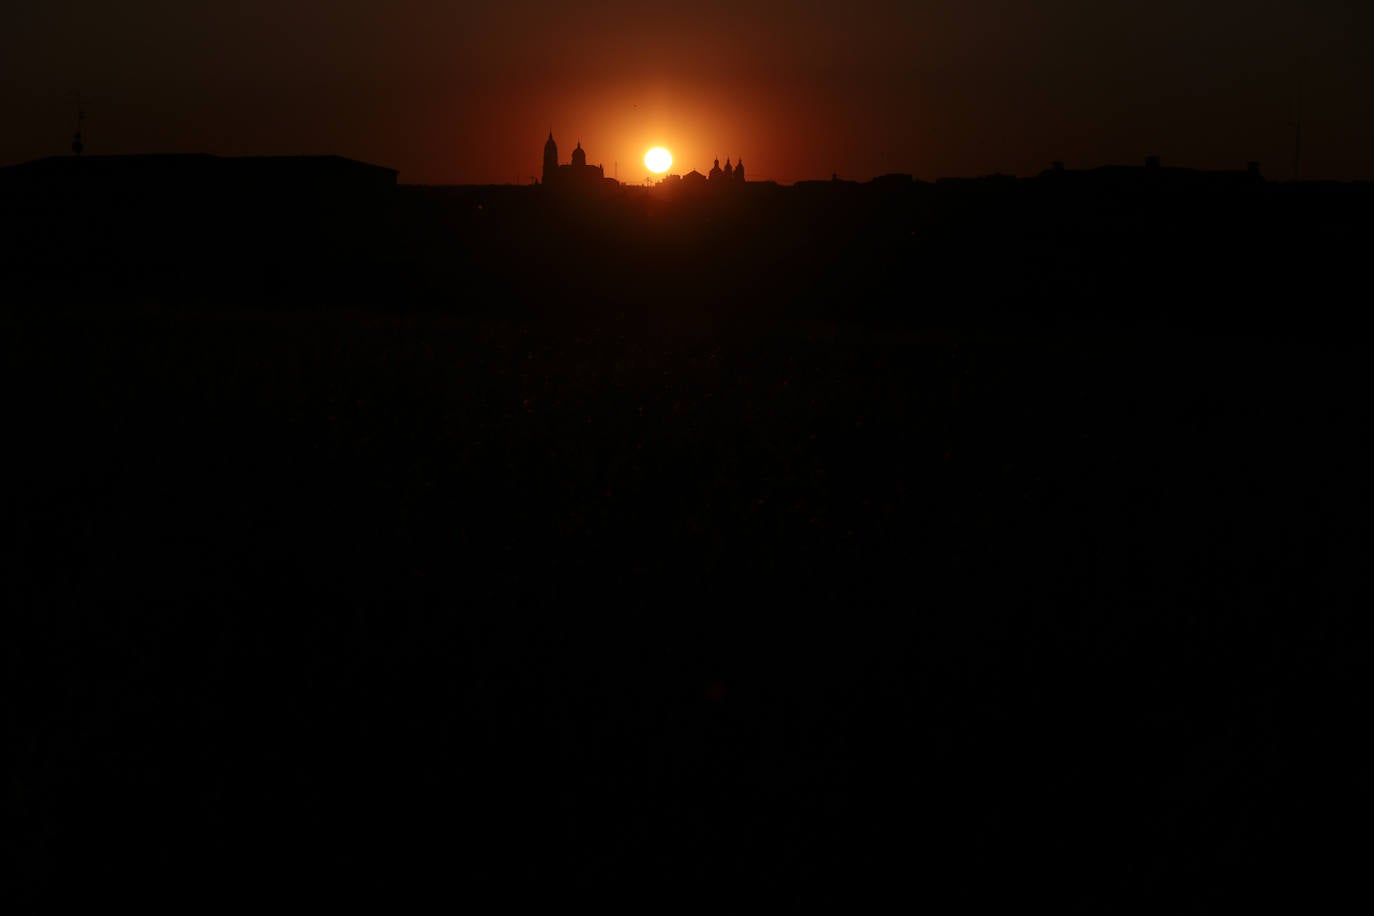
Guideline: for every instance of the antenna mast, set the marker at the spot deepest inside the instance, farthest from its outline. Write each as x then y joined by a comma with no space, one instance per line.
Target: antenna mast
1297,140
77,145
1296,123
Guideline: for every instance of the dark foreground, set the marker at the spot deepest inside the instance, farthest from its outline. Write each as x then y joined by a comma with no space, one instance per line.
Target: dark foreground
972,548
347,608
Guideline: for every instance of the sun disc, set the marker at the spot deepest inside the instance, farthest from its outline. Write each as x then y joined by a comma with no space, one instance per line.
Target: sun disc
658,160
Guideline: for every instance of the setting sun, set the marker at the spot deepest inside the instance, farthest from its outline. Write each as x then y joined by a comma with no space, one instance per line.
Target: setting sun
658,160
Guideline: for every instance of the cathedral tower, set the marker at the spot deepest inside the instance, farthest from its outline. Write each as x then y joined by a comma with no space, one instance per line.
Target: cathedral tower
550,160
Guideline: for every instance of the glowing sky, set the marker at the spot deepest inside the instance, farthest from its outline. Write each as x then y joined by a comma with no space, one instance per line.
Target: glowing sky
464,92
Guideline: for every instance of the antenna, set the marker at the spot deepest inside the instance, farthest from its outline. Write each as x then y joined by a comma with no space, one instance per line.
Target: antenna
1297,138
77,145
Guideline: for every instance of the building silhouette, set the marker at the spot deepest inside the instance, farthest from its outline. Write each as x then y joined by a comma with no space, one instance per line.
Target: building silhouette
730,175
197,216
1152,174
576,174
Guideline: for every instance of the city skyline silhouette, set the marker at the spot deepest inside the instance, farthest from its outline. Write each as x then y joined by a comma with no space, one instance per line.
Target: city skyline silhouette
943,486
931,89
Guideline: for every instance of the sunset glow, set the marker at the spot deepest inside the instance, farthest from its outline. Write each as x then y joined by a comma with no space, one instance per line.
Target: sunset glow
658,160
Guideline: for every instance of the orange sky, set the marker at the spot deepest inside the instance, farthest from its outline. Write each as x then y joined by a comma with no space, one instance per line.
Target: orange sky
451,92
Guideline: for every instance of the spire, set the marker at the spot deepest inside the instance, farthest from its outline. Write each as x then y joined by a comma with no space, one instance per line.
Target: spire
550,159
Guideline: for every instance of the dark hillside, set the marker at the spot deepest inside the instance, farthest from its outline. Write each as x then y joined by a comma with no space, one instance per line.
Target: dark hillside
955,545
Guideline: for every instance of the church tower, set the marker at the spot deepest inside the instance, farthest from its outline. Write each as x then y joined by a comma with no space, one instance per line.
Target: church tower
550,160
729,169
739,171
579,157
715,173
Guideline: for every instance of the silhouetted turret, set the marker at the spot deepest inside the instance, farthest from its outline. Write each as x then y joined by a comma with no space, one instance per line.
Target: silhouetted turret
739,171
729,170
550,160
576,176
715,174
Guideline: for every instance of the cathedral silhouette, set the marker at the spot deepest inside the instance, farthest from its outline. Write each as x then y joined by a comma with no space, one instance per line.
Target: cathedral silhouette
731,173
579,175
576,174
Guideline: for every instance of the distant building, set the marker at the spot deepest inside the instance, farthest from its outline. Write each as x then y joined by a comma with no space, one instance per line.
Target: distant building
182,210
726,177
202,191
180,174
1152,175
577,174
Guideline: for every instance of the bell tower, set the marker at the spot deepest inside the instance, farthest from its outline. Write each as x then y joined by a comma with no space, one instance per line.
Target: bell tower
550,160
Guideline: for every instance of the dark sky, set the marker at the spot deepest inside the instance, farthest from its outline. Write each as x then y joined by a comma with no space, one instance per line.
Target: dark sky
466,92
